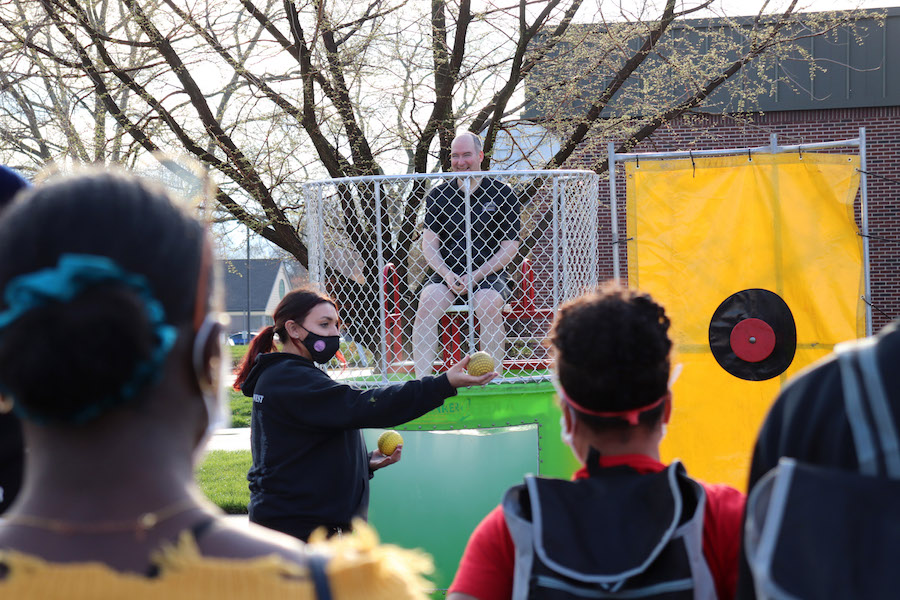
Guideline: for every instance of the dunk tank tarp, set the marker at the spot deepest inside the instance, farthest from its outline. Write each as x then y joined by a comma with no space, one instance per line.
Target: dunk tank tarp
758,263
457,462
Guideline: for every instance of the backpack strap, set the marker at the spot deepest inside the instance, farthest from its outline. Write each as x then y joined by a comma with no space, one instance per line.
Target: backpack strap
520,530
766,505
878,402
863,388
316,564
853,406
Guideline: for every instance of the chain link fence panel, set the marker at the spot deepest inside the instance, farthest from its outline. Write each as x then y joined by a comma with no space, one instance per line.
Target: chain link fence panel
389,248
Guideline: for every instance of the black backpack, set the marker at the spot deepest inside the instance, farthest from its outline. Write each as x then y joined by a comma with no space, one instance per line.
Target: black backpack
819,532
615,534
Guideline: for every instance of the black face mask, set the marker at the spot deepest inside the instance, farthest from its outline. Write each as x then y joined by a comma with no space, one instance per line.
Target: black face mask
322,348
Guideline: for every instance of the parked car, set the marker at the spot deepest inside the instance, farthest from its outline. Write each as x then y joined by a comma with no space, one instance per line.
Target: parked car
240,338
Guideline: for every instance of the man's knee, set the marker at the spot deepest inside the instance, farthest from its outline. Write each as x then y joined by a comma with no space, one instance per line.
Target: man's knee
488,302
435,297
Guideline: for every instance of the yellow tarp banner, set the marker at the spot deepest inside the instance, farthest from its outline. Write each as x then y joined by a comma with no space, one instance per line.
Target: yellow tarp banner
701,230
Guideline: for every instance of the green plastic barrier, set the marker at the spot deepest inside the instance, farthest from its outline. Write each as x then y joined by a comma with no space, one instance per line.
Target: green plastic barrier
457,462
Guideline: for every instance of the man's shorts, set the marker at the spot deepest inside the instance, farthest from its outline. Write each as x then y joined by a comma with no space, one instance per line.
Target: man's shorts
494,281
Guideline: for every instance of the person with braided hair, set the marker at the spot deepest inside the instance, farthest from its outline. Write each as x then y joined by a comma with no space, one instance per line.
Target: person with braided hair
627,523
109,341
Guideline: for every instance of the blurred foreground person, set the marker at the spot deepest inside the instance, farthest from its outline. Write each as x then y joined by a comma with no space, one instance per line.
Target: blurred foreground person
108,349
12,451
823,516
627,526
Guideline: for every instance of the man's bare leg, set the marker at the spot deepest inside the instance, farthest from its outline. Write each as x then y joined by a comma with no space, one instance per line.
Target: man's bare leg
434,300
488,308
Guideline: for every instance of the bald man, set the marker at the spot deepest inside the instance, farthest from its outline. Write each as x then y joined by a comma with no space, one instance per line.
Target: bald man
495,226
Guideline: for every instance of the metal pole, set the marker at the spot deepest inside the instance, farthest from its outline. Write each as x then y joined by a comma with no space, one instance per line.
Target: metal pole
864,218
313,196
467,197
320,239
382,302
593,184
568,267
614,221
851,143
777,221
247,336
557,279
567,261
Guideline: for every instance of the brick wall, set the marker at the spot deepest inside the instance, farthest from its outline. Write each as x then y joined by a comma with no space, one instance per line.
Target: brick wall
795,127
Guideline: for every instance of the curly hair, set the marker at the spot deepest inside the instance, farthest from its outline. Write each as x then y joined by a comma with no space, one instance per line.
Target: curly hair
612,353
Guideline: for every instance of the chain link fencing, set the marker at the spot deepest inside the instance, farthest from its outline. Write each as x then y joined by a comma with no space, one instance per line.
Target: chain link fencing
384,247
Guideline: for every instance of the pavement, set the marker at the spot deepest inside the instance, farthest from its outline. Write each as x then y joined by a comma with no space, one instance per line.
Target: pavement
238,520
233,438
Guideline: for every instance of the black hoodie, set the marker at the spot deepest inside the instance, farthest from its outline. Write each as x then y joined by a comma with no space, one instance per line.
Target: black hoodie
310,463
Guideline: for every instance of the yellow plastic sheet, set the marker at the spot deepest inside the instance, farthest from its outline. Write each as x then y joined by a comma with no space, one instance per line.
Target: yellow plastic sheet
702,230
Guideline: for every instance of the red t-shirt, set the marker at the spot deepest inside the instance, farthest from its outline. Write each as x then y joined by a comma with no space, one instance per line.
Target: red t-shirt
486,568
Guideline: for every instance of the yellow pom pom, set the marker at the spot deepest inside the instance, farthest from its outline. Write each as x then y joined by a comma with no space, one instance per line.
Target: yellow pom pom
480,364
388,442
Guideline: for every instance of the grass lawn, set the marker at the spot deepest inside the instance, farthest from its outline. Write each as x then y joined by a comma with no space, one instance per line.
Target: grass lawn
223,479
240,408
223,474
237,353
240,404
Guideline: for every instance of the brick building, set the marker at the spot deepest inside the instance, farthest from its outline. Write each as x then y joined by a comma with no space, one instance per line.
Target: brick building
861,88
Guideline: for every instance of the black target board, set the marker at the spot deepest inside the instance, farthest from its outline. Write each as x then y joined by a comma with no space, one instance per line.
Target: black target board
752,335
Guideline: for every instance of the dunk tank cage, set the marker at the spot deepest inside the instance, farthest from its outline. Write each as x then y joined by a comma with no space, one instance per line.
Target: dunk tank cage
365,249
364,236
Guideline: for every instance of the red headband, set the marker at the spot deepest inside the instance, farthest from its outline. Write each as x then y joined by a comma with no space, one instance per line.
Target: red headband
631,415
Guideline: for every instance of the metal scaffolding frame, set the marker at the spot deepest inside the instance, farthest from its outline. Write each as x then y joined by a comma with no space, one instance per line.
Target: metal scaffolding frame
771,148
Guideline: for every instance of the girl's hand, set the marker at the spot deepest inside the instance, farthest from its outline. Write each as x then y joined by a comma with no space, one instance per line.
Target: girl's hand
458,377
379,460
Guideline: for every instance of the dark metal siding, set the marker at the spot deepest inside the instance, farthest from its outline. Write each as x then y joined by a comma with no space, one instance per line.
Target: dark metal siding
853,73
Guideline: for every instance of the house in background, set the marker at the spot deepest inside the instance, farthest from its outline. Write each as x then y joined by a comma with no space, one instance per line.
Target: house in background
263,286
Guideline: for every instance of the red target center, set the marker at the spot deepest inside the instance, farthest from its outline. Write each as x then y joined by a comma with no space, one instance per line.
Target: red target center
752,340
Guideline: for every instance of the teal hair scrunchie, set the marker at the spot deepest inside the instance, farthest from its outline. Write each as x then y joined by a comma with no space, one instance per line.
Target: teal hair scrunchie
72,275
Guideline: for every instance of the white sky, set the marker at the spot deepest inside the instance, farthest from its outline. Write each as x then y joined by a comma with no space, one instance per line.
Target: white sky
736,8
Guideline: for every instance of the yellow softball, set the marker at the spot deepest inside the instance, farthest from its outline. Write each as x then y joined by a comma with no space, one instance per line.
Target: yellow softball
388,442
480,364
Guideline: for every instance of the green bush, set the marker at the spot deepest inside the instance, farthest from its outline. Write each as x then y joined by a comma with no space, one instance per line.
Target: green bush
223,479
356,355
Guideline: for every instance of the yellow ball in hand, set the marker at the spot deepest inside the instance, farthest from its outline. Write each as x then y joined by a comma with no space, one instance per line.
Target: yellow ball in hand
388,442
480,364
